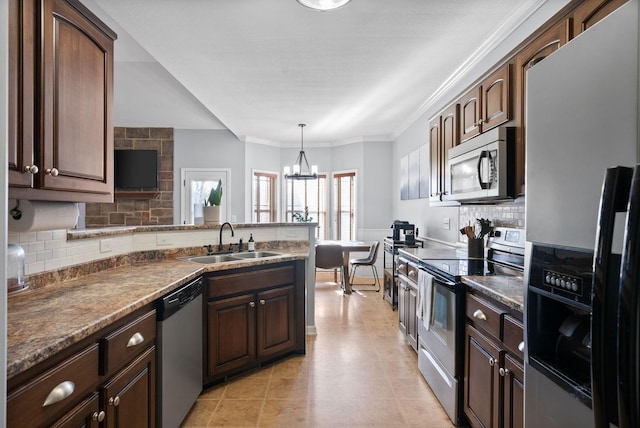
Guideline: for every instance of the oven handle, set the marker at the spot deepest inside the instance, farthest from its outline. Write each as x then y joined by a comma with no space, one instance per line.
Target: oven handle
439,278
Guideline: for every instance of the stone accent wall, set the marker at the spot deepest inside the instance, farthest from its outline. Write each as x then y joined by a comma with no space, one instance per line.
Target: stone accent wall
144,211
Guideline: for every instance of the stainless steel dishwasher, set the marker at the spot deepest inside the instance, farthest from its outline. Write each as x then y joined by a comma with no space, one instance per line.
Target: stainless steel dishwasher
180,353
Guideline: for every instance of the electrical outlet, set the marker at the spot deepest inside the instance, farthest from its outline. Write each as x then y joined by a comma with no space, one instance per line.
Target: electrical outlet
105,245
446,223
163,240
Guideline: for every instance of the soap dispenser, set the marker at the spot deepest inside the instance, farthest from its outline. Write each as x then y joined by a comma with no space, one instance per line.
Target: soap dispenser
251,245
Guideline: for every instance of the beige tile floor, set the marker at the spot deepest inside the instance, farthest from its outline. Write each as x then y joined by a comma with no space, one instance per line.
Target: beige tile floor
357,372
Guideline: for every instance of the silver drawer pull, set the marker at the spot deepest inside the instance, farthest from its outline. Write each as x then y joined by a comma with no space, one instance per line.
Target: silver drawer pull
136,339
59,393
479,315
521,346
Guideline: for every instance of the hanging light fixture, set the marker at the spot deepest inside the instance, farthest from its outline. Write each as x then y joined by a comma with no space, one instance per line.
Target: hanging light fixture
301,170
323,5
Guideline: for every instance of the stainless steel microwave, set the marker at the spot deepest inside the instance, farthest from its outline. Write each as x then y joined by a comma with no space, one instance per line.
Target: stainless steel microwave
483,168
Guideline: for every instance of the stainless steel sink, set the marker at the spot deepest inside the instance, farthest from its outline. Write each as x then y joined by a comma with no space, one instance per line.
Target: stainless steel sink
233,257
216,258
255,255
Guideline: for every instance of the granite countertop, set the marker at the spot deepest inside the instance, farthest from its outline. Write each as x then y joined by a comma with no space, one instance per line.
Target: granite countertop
508,290
43,321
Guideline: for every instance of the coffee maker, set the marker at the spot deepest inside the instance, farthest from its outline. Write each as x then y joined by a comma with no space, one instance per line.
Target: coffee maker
403,232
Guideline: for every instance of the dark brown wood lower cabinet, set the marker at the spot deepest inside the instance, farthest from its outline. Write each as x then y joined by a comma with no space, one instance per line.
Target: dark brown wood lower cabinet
129,397
253,315
513,407
84,415
482,380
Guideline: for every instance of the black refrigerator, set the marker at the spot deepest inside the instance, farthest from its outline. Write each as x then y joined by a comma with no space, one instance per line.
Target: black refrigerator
615,317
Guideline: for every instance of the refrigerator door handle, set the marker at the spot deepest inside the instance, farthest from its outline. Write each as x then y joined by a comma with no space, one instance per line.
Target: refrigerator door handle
629,313
606,270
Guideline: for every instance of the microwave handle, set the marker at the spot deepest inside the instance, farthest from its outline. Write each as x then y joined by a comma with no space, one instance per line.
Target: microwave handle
483,154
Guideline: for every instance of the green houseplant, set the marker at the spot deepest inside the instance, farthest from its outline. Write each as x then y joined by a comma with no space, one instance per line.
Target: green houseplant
212,205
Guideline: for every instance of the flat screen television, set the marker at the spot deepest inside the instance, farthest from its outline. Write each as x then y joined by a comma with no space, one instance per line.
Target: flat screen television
136,169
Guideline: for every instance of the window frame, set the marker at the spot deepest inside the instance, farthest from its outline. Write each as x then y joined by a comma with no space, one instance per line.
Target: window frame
275,197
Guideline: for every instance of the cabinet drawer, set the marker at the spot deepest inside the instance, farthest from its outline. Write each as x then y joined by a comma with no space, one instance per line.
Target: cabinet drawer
403,267
127,342
412,273
249,281
514,336
484,315
49,395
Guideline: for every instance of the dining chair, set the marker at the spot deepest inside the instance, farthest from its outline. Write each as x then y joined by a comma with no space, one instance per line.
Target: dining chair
329,256
369,260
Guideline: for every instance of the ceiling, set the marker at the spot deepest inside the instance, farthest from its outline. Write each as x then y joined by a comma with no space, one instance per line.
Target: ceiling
364,72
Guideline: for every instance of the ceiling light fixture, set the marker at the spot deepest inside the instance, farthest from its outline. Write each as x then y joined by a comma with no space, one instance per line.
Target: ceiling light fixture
301,170
323,5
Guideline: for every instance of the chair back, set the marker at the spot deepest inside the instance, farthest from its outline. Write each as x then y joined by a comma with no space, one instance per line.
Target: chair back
329,256
373,252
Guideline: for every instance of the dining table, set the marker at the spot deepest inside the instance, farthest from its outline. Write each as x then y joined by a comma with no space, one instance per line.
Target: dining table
348,246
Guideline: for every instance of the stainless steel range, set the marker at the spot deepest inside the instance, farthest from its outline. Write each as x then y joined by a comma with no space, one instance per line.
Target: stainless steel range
441,328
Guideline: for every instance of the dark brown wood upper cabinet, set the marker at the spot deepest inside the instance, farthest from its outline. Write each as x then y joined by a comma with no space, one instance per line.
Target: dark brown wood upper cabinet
591,11
443,135
486,105
60,102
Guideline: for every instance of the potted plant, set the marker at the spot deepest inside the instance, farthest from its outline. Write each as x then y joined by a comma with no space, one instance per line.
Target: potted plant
212,205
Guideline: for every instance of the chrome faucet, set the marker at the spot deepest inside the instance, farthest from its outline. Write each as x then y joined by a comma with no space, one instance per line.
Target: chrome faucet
222,227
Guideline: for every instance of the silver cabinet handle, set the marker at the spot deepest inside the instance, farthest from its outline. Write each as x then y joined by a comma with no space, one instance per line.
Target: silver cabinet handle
504,372
136,339
114,401
51,171
521,346
492,361
262,302
479,315
32,169
59,393
252,304
98,416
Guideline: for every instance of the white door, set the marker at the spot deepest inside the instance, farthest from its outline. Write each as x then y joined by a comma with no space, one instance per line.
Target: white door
196,185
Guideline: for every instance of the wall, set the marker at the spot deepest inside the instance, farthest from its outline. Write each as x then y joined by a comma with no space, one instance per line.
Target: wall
210,149
143,211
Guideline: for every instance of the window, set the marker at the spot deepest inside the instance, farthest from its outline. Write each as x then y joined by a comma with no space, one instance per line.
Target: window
345,204
264,197
310,194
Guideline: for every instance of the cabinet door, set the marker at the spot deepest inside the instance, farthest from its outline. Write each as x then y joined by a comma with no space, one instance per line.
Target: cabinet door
130,396
450,134
513,406
402,307
87,414
590,12
481,380
22,33
470,111
412,318
231,334
77,132
496,98
549,42
435,158
275,324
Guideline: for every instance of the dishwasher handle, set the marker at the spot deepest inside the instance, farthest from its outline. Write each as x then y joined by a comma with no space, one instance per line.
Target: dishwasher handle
177,299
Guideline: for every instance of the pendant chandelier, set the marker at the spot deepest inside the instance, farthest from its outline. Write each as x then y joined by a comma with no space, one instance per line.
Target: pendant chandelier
323,5
301,170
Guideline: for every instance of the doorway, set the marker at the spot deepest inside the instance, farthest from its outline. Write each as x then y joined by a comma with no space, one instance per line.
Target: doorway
196,185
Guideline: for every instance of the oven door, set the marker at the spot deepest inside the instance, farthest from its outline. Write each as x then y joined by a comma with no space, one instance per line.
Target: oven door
438,333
